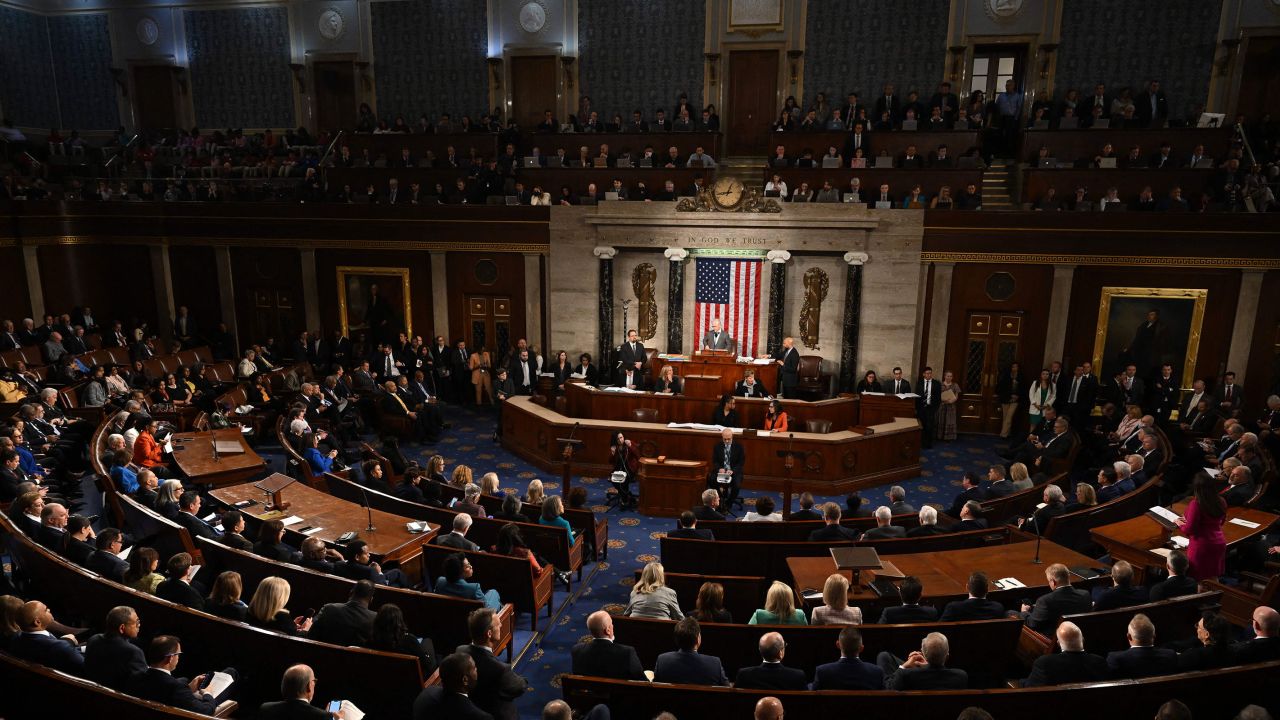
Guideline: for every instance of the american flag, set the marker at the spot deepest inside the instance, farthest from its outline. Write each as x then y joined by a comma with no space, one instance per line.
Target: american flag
728,290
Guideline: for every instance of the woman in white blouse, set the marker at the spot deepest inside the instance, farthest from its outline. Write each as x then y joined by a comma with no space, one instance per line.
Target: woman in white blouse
763,512
778,184
1042,394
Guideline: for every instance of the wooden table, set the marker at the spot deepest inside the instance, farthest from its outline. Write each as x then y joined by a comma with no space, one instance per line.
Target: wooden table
1136,539
390,541
584,401
669,488
945,575
193,454
726,370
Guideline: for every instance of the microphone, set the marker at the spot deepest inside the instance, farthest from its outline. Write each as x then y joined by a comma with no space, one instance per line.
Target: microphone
1037,560
368,508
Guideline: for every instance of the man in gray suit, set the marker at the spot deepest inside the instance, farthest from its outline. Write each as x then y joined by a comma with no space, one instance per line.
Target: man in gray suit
716,338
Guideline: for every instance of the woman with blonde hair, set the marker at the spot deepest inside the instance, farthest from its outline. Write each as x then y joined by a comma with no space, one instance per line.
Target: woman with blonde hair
268,609
1019,476
435,469
1086,497
461,476
535,494
651,598
836,611
779,608
489,485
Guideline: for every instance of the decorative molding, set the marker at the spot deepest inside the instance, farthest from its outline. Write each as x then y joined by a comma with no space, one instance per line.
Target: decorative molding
299,243
675,254
778,256
604,253
1143,260
856,258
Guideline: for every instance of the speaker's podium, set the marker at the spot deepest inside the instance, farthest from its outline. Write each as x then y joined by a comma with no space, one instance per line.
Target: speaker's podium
670,487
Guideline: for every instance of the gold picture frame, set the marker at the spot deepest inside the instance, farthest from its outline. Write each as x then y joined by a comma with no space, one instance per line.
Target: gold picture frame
354,279
1179,320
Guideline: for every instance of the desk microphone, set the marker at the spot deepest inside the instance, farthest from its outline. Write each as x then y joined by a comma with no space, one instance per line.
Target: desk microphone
368,508
1036,560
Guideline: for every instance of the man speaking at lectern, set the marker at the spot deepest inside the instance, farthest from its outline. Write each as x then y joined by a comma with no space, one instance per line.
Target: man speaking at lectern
716,338
728,456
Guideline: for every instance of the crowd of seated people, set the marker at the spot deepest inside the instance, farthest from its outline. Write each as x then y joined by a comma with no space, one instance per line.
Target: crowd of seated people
884,196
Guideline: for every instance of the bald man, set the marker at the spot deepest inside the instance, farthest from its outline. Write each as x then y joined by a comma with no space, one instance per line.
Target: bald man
36,644
789,372
1266,642
601,656
771,674
297,688
1072,665
769,708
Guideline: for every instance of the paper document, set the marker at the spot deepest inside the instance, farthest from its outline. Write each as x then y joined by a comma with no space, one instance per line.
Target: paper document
124,554
350,711
1213,472
1180,542
1165,513
218,683
292,520
868,392
904,396
1162,552
1009,583
312,531
761,361
1244,523
763,433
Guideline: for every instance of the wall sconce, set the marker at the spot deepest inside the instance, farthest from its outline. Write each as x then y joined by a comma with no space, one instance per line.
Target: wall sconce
794,56
495,72
300,76
567,61
1046,58
1230,47
713,62
117,74
957,61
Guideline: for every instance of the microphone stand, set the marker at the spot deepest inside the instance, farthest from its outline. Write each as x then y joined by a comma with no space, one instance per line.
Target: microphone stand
368,508
1037,560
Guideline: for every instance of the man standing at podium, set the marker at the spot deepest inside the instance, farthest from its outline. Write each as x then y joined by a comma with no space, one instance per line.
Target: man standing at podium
789,374
631,355
715,338
727,456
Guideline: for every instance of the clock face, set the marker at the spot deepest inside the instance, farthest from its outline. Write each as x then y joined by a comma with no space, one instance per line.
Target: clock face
727,193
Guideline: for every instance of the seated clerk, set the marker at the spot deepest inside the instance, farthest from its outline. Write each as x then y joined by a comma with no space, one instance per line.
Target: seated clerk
726,412
632,378
668,381
748,387
775,419
586,370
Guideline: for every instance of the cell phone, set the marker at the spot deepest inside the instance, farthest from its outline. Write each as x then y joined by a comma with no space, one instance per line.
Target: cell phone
334,706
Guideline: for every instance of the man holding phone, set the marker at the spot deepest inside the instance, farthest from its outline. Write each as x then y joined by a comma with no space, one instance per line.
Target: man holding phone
298,688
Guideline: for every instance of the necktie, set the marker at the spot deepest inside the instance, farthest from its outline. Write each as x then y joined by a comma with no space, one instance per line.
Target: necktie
1228,392
726,455
928,387
1075,385
388,371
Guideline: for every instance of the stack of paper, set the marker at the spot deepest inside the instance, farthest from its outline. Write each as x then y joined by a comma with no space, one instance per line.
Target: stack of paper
219,682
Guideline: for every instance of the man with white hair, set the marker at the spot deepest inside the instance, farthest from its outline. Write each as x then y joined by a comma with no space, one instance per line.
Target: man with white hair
601,656
928,524
1124,475
1072,665
470,503
898,501
1137,470
1143,658
883,528
1054,505
1240,487
457,538
924,669
771,674
715,338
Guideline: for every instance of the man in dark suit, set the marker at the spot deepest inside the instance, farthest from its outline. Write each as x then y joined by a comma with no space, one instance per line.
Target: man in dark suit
977,606
427,421
1062,599
946,101
1178,583
79,549
1240,487
1143,658
106,560
833,531
159,684
298,688
523,373
36,644
1151,107
176,587
849,111
689,529
789,372
707,510
898,385
883,528
1265,644
888,102
729,456
1124,593
631,354
1150,452
685,664
497,685
189,517
849,672
1056,449
924,669
111,658
458,537
1072,665
928,524
1078,396
451,698
601,656
348,623
771,674
910,611
806,511
970,518
972,490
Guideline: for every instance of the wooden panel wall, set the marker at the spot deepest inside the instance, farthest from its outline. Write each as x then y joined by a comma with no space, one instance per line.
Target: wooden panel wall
115,280
274,272
418,262
510,282
14,302
1263,376
194,274
1032,290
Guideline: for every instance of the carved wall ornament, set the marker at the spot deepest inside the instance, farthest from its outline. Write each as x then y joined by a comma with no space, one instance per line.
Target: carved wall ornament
148,31
675,254
1002,10
643,279
816,284
533,17
332,24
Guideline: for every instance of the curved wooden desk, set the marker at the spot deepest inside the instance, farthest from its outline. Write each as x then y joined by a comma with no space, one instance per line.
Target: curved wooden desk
195,458
831,463
714,374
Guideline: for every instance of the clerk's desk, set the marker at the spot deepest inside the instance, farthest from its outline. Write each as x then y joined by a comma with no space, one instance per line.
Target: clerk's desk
712,374
836,462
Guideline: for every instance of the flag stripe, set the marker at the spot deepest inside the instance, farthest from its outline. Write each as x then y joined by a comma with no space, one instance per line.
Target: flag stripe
729,290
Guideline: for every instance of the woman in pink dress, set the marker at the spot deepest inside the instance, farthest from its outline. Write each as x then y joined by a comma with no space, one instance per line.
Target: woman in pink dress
1202,525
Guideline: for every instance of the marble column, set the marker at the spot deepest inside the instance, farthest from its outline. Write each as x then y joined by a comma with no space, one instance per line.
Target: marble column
675,298
777,299
439,297
605,254
310,290
533,301
227,292
1059,305
1246,320
852,325
938,312
35,291
163,280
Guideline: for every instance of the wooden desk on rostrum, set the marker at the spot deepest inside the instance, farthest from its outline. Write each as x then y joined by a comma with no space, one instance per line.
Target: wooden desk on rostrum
670,487
724,371
193,454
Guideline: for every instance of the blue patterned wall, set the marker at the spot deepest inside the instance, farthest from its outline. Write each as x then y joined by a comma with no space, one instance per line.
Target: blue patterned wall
26,77
640,54
429,56
1127,42
81,49
239,62
858,45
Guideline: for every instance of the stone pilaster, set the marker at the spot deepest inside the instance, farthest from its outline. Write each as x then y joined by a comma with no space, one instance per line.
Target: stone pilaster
675,298
852,323
777,299
604,357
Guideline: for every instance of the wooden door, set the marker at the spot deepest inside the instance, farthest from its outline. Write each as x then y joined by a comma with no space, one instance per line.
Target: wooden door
753,101
489,324
334,82
1259,81
992,65
273,313
533,89
992,342
155,97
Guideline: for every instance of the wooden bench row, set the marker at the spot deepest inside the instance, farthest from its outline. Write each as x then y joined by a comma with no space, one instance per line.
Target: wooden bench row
49,693
581,520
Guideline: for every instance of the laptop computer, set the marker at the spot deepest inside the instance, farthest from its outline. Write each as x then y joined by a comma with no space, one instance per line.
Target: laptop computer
772,193
1204,163
495,200
884,205
555,161
599,162
884,161
799,198
909,124
1084,206
858,162
610,195
1071,123
1107,163
531,162
644,162
830,162
511,200
1101,124
1047,162
852,198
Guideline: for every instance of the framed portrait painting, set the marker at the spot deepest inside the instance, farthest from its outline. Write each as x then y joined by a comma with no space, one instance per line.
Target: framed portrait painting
1149,327
374,301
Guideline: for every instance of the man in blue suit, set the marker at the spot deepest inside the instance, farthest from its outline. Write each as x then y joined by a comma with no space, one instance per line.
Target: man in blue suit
685,664
36,644
849,672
